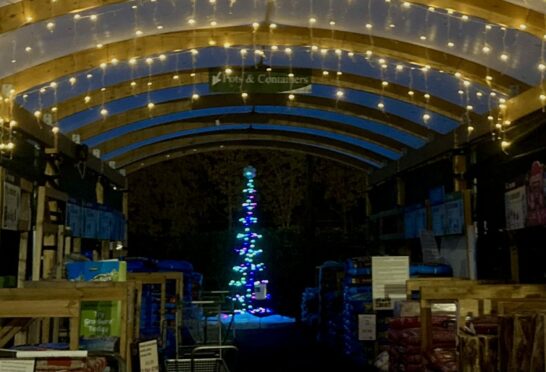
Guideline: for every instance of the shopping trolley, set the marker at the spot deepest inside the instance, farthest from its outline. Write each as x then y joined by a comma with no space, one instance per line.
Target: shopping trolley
202,359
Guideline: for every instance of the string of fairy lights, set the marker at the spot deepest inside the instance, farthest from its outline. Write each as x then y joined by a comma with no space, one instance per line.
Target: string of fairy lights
469,89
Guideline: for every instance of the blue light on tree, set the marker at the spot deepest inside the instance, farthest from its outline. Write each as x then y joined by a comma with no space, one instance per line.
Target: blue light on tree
249,287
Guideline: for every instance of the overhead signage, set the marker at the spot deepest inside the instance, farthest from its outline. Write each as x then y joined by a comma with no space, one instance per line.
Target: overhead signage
259,81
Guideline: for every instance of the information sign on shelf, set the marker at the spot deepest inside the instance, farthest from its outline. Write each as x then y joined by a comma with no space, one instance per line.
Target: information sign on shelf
389,276
147,351
366,327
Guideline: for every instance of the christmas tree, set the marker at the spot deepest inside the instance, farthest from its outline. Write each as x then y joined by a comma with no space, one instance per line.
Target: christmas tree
249,287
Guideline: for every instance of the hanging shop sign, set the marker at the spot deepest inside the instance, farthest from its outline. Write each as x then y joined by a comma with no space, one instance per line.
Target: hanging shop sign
11,206
260,81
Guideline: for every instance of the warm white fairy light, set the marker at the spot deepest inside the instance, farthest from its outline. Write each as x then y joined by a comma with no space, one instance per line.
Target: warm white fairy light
53,84
466,83
385,83
490,118
149,83
195,96
406,4
149,60
159,27
470,129
37,114
427,96
489,78
469,107
312,20
332,23
244,95
369,26
369,53
504,57
151,105
422,37
450,44
351,54
273,48
523,27
103,65
542,97
139,33
42,90
194,52
486,49
114,61
541,67
99,46
458,75
50,26
93,17
325,73
381,105
340,93
426,117
291,97
132,61
479,94
228,71
191,21
314,48
288,51
55,130
324,51
28,49
464,17
87,99
273,26
411,93
213,23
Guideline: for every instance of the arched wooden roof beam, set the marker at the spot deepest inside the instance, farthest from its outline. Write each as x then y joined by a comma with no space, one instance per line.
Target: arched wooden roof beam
256,120
345,81
501,12
242,35
225,100
242,144
495,12
166,146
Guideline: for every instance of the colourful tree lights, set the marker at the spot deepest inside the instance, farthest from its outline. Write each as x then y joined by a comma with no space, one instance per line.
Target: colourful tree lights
249,288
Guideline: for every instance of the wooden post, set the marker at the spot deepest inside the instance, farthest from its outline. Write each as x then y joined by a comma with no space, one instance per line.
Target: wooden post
23,252
77,247
105,250
39,234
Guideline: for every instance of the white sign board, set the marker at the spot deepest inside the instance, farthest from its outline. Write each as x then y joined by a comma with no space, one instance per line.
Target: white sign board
147,351
366,327
515,205
10,207
389,276
16,365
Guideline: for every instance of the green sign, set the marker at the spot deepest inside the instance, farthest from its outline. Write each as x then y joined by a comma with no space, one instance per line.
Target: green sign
259,81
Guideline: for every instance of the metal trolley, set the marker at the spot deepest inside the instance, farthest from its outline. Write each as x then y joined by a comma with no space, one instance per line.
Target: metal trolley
202,359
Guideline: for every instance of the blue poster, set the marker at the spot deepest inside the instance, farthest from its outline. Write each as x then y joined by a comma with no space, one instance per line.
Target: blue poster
454,217
438,219
74,219
91,222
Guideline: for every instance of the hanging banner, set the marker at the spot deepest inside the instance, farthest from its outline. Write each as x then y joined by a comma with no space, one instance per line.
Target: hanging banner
536,205
11,206
260,81
515,205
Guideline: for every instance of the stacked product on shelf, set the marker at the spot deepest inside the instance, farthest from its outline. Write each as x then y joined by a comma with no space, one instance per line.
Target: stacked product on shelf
309,307
330,330
357,299
405,340
150,321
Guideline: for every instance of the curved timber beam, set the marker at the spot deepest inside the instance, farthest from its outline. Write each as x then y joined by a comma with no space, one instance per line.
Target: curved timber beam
242,35
256,120
495,12
345,81
248,145
163,147
492,11
26,12
224,100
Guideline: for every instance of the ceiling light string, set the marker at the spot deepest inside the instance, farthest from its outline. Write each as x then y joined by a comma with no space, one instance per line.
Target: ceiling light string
213,21
149,83
255,28
194,56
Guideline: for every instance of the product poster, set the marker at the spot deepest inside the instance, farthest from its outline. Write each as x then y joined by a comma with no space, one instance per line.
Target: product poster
515,208
366,327
74,219
454,217
438,213
536,205
11,205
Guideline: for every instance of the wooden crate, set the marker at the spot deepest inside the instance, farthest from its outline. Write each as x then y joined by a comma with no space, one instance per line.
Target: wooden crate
478,353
